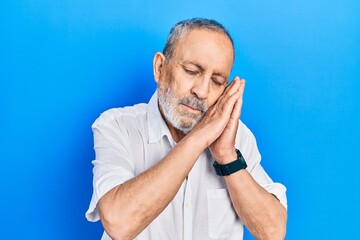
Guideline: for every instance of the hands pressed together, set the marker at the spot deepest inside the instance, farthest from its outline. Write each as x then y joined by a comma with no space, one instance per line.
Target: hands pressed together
221,122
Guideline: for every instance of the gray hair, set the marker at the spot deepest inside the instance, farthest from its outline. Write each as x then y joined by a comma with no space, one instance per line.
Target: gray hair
179,29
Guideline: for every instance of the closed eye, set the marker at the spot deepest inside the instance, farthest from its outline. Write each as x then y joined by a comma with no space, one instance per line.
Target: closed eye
217,82
191,72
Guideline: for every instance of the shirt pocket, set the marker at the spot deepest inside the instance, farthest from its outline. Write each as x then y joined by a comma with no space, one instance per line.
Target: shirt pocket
221,214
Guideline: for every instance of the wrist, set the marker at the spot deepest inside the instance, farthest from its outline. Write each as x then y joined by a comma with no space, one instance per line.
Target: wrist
225,157
232,167
196,140
201,137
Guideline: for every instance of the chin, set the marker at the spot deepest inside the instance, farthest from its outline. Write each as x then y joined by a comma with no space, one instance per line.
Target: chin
187,127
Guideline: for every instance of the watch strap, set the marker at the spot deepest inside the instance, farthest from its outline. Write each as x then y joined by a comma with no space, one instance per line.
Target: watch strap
227,169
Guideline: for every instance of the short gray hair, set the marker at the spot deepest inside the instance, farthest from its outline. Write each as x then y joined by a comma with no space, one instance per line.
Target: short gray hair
179,29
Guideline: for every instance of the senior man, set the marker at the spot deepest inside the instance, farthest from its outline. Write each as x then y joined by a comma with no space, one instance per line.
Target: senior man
184,166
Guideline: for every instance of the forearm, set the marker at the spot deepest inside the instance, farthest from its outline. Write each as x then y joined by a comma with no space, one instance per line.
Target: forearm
260,211
130,207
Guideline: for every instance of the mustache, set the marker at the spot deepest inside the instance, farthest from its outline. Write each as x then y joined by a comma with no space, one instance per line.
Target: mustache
194,103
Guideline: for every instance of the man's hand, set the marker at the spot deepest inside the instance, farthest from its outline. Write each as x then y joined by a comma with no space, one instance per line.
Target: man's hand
223,148
222,119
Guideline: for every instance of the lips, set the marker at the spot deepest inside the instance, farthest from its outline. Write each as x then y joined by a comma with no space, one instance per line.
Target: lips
191,108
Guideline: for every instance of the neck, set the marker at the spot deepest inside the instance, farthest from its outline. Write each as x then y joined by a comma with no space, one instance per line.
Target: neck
176,134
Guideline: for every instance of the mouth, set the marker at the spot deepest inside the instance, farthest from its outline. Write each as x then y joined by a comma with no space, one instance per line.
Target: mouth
192,109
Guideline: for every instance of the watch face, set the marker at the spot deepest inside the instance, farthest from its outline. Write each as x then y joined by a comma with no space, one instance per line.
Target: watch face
241,159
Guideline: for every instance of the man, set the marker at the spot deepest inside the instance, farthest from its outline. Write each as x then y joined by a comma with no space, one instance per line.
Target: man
154,176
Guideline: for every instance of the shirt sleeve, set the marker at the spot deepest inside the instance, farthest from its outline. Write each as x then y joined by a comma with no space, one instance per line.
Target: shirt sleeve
113,163
247,144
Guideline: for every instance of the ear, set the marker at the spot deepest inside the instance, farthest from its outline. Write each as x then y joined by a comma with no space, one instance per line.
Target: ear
158,65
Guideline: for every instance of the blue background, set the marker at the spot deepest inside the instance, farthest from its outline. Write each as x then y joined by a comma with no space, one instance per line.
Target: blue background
62,63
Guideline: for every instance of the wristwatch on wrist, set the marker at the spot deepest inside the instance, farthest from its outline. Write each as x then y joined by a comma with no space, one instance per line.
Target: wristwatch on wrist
227,169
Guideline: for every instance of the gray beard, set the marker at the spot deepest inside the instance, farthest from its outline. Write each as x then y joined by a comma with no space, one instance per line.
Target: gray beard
169,105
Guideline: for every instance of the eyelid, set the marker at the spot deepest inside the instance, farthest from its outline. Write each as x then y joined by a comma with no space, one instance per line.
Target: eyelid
221,79
219,82
200,71
189,69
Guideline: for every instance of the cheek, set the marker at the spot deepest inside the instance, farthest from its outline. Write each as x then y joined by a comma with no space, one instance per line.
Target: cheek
166,77
161,87
215,96
180,85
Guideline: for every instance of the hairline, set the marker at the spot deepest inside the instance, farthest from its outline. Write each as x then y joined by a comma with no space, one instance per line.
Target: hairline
182,28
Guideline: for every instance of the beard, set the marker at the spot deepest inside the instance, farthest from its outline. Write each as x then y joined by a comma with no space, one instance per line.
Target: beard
184,120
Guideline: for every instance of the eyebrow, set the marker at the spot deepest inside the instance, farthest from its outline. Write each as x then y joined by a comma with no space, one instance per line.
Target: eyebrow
203,69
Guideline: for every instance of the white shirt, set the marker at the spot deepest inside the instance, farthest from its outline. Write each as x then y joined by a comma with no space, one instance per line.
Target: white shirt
128,141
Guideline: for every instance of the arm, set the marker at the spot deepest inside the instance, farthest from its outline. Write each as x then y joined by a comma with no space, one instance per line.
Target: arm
260,211
130,207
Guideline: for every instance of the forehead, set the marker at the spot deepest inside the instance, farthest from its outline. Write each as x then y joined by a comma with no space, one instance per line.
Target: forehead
211,49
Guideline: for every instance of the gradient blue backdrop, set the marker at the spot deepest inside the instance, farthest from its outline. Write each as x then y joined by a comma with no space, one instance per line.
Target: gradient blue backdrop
62,63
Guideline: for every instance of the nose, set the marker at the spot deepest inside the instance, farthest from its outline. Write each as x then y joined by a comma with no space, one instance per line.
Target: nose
201,87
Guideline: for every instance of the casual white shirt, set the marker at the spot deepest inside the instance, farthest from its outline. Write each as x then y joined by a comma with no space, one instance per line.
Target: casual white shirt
129,140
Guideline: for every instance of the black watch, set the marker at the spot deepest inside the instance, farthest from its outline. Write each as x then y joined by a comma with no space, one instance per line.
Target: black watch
227,169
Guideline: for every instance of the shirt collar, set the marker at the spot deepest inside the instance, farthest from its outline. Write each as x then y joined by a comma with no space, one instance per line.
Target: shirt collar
157,127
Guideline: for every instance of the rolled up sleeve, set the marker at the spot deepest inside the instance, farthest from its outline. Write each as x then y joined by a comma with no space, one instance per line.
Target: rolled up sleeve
246,142
113,163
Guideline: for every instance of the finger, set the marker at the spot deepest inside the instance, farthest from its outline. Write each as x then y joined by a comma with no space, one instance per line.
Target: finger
230,90
235,114
234,86
228,99
230,86
242,87
227,104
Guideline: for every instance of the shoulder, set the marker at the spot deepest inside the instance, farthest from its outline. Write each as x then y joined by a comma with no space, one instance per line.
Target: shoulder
245,139
246,143
244,132
122,116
